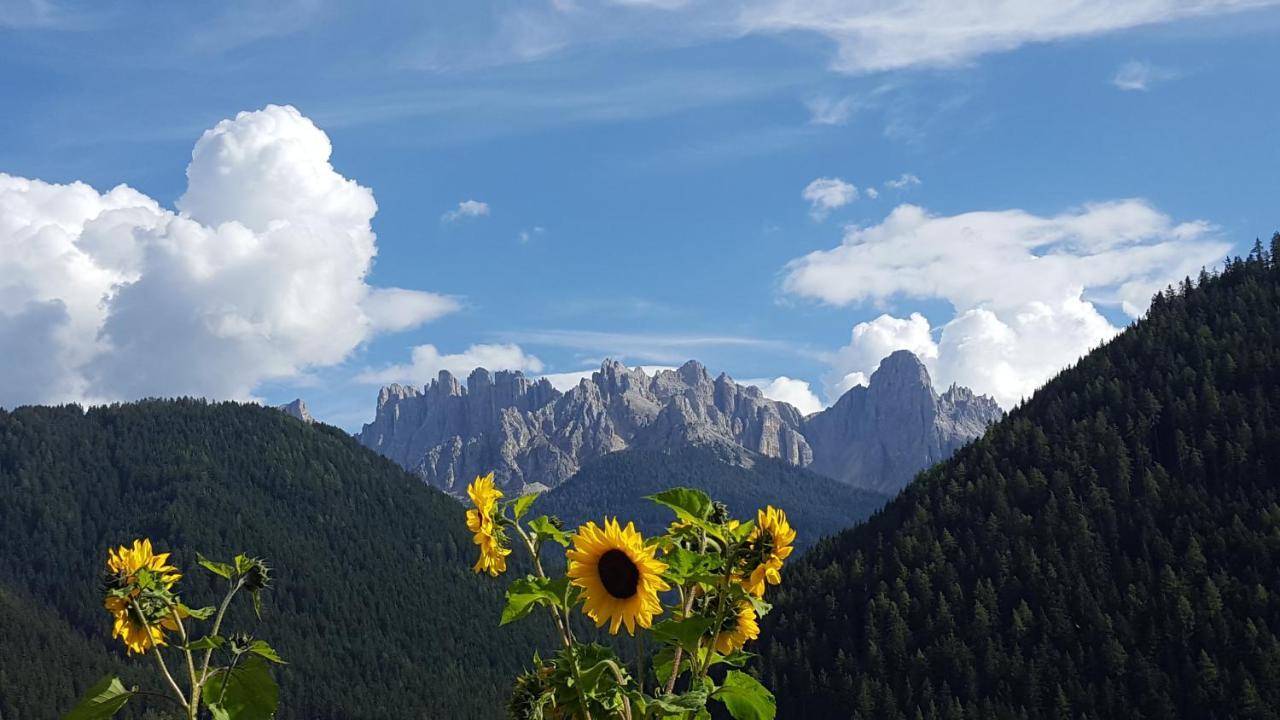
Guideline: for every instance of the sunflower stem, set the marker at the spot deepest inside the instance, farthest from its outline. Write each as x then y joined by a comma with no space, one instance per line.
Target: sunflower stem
146,624
705,663
640,661
562,623
676,656
217,625
196,687
227,680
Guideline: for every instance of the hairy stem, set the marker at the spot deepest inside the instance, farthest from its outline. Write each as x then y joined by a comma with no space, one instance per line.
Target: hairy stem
160,658
217,625
562,622
676,656
196,687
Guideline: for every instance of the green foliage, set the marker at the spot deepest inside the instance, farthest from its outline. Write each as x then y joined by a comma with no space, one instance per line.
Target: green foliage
524,594
102,701
245,692
1110,550
745,697
376,607
619,578
687,503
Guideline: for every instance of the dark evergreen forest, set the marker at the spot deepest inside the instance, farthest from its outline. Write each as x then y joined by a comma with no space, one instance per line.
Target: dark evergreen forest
1109,550
375,607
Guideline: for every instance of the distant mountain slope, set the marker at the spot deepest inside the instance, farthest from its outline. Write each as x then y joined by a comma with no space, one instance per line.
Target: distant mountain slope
533,436
879,436
376,607
617,484
1109,550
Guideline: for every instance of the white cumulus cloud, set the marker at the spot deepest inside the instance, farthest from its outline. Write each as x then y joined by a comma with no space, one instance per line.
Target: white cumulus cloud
466,209
1025,290
827,194
426,363
872,341
261,275
795,392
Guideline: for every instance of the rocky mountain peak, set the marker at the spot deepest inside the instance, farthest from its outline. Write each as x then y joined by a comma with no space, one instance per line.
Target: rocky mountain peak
297,409
878,437
394,392
529,433
900,369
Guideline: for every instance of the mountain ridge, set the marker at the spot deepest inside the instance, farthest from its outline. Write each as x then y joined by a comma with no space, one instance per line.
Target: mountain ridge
534,436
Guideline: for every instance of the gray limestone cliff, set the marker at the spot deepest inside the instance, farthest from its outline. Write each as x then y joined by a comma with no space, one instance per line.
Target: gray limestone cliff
878,437
533,436
297,409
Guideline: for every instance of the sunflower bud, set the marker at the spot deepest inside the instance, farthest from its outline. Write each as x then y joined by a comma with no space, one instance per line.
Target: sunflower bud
533,695
239,643
256,574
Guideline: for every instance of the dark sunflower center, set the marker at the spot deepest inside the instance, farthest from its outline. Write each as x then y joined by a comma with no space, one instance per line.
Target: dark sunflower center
618,574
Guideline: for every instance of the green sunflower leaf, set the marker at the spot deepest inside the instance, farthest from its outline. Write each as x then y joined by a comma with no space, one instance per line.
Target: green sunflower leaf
203,613
544,529
745,698
761,607
684,565
102,701
687,503
246,693
265,651
220,569
525,594
684,632
209,642
695,699
521,504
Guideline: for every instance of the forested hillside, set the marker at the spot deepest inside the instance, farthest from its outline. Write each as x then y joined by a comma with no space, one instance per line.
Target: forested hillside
375,608
617,484
1110,550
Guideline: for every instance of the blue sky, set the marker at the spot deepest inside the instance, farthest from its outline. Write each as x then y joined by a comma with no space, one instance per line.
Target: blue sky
1020,178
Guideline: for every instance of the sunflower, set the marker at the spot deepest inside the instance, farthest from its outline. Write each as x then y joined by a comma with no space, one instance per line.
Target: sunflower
123,565
771,542
738,629
620,577
125,562
480,520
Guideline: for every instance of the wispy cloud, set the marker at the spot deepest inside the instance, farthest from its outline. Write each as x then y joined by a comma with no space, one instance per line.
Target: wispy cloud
831,111
645,347
36,14
528,234
869,35
904,181
1140,75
